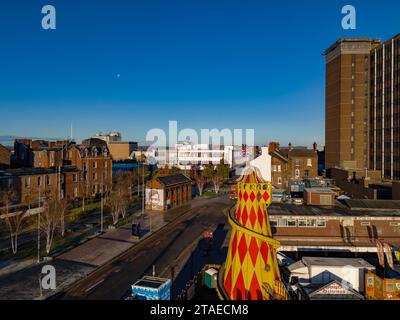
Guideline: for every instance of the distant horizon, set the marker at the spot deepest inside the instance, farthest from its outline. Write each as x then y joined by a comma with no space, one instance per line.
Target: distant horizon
13,138
134,66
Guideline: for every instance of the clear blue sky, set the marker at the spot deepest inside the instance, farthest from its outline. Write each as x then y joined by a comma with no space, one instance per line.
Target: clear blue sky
205,63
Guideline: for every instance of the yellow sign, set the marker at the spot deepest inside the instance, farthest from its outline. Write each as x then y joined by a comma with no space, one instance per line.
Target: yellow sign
397,255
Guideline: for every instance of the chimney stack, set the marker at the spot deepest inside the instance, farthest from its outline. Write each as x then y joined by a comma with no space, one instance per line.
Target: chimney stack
273,146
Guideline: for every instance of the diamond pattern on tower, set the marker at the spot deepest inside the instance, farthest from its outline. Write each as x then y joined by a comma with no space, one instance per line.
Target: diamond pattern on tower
264,252
260,216
242,248
251,259
244,216
253,217
239,290
255,290
253,250
228,282
252,196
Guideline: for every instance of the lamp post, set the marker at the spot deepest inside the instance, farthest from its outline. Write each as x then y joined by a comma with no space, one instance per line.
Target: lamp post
38,230
144,193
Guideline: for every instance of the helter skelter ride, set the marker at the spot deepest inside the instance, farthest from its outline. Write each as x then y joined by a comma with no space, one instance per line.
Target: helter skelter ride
251,270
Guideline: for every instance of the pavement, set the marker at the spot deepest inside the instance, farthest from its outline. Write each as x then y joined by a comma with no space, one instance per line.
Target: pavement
161,249
105,266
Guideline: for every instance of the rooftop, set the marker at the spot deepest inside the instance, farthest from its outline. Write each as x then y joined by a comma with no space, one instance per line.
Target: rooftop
336,262
368,204
319,190
284,209
34,171
174,179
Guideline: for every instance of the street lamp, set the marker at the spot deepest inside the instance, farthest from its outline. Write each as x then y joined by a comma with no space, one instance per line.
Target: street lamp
38,230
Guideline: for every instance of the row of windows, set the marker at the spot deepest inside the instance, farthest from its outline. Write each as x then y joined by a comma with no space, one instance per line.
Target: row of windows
307,222
94,165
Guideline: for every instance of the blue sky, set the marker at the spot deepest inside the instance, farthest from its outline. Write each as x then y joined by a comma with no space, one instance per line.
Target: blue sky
205,63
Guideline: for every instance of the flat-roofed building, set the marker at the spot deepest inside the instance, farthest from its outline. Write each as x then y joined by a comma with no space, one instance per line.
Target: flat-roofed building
347,103
384,111
353,227
122,150
323,278
319,196
5,157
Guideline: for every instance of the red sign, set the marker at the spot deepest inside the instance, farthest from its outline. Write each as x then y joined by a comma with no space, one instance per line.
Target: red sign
208,234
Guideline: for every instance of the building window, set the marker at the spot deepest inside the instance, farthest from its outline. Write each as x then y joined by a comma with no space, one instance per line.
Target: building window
365,224
273,223
297,173
321,223
279,180
95,164
302,223
309,162
105,164
47,180
279,168
273,168
27,182
75,177
311,222
95,176
395,224
39,181
282,223
75,192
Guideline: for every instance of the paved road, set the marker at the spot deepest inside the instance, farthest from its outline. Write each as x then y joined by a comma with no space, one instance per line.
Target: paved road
162,249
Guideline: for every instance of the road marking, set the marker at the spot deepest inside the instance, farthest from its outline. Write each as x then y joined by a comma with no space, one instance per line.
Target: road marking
95,285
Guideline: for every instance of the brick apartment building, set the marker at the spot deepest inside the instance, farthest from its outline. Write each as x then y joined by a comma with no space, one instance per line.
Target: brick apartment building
5,157
292,164
32,185
38,153
82,170
94,161
362,126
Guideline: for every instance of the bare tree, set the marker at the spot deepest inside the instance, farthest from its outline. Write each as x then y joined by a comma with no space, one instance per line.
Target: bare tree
113,203
118,201
13,220
62,207
200,182
50,219
217,181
